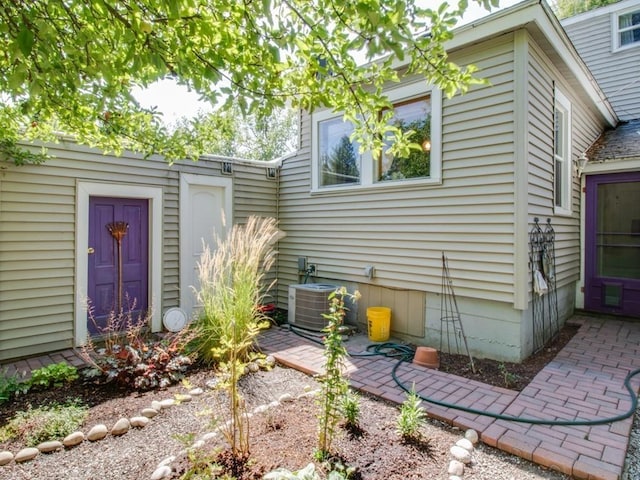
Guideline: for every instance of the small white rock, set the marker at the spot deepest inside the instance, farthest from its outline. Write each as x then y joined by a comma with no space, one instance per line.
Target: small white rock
455,477
196,391
307,388
274,404
167,403
209,436
253,367
156,405
286,397
460,454
149,412
5,457
73,439
121,427
167,461
183,398
472,436
161,472
139,422
51,446
270,360
455,468
98,432
197,444
261,409
211,383
26,454
466,444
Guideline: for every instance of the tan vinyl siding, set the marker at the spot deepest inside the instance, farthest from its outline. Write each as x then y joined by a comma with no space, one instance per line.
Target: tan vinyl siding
37,235
585,129
592,38
403,231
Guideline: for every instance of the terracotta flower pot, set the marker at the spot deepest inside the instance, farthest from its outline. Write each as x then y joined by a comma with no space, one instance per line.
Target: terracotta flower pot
427,357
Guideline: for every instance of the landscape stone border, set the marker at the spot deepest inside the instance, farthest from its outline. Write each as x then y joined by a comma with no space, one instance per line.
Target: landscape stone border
122,425
100,431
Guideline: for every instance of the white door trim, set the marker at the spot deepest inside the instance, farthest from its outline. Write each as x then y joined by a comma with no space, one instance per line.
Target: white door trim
186,180
84,190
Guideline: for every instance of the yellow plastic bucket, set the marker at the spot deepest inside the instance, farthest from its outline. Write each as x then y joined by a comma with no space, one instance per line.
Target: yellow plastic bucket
379,323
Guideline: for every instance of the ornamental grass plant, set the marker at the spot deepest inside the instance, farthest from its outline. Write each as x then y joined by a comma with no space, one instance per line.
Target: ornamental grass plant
231,289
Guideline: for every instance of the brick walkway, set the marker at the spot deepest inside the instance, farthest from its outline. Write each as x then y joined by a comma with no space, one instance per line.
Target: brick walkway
24,367
584,381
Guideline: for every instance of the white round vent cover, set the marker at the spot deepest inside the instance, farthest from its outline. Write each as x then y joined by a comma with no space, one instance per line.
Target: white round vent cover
174,319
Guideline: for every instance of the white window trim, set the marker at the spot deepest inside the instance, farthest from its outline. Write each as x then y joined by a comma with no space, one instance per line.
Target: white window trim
563,103
615,34
399,94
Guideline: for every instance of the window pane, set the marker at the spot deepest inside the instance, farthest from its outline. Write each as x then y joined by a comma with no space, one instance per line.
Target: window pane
559,124
339,159
413,115
629,26
618,230
558,184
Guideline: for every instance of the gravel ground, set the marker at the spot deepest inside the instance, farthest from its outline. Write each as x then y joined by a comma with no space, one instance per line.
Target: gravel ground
632,462
137,454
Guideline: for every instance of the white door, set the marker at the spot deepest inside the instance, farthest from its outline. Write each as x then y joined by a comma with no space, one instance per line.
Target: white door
205,211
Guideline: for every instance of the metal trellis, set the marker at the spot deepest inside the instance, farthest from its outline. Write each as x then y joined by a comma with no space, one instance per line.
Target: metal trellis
450,323
542,262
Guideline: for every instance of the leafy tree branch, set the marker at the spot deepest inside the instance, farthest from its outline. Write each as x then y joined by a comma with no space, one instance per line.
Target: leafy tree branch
69,66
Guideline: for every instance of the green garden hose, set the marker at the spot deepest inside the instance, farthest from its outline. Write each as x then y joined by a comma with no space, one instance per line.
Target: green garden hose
405,353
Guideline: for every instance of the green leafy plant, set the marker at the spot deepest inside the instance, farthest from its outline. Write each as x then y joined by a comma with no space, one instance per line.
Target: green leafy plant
509,378
232,289
333,383
411,418
307,473
10,385
51,422
55,375
133,357
351,408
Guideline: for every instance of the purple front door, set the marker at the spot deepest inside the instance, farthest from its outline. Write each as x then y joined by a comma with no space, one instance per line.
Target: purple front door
612,248
131,217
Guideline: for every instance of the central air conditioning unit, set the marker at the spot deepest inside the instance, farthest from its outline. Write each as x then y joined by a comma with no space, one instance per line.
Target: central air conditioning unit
307,303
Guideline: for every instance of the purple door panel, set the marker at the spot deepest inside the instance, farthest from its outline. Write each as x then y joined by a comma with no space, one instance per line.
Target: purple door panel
612,244
103,262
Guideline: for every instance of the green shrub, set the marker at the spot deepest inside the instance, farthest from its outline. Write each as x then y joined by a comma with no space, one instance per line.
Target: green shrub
52,422
308,473
411,418
333,383
232,289
351,408
53,375
133,357
10,385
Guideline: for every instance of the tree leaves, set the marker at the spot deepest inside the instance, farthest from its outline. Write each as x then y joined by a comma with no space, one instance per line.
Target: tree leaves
69,61
25,40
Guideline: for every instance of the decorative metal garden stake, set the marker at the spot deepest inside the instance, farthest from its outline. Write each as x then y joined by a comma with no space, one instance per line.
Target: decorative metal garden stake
450,314
118,230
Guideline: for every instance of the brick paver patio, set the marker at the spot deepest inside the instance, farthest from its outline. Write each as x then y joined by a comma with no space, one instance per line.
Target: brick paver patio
584,381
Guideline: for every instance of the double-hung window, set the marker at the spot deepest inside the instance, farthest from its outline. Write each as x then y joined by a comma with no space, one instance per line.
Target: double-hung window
338,163
562,154
626,28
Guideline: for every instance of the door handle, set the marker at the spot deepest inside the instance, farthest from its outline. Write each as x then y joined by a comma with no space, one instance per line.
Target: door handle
90,250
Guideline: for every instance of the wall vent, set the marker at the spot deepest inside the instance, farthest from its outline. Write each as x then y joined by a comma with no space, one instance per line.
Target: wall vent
307,303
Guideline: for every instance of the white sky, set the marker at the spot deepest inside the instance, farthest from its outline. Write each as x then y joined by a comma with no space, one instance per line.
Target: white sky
175,101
